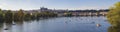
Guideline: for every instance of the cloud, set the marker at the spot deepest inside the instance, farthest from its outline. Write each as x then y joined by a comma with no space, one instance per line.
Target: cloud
66,4
92,7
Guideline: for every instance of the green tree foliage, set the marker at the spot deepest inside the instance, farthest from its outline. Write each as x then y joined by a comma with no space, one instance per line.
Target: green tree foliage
67,14
9,15
47,14
1,14
19,15
114,15
27,16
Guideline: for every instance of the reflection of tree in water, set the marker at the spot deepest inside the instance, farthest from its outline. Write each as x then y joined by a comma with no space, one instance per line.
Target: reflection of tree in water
19,26
114,29
7,26
1,26
20,22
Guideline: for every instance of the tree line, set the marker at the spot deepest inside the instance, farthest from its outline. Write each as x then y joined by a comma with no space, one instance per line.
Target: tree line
20,15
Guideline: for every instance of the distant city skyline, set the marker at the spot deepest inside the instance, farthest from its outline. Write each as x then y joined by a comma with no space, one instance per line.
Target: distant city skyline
56,4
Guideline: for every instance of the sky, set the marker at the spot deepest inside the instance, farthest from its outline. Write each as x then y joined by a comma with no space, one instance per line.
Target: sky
56,4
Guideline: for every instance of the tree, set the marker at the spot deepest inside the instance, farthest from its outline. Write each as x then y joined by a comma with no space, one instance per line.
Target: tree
19,15
67,14
9,15
1,15
114,14
27,16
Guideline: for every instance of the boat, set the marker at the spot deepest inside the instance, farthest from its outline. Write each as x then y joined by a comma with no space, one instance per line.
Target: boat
98,25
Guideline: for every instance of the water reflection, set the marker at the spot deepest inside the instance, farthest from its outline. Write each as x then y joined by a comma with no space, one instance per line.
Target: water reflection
59,24
19,26
1,26
7,26
114,29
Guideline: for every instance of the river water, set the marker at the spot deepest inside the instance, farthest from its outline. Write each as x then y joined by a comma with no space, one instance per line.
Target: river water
59,24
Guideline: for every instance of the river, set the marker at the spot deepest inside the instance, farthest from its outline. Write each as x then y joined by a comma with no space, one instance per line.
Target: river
59,24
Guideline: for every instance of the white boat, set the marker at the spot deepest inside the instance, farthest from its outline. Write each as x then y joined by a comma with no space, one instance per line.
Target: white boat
98,25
